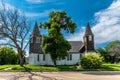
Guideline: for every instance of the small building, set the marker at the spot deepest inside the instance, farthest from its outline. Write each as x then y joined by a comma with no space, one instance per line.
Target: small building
37,57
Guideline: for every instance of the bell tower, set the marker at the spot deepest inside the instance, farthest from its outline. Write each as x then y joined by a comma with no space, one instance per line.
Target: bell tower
88,39
35,41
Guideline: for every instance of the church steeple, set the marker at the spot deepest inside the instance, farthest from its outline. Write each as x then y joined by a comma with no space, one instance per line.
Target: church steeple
88,30
88,39
35,41
36,31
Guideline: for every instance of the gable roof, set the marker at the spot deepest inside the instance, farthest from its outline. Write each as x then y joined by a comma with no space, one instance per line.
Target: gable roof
75,46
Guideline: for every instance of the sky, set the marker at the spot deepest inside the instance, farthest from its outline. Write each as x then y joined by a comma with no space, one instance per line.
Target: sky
103,16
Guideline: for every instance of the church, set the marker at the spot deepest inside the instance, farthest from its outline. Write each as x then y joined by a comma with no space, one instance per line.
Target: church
78,48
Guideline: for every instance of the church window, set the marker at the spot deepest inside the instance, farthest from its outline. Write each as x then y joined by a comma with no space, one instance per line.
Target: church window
38,57
43,57
69,57
37,40
90,38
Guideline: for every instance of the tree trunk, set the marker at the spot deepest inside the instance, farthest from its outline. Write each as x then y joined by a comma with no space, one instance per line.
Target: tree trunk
21,61
112,59
55,63
21,58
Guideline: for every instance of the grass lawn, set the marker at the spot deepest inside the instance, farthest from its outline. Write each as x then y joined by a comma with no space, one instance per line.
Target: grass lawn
14,68
35,68
111,67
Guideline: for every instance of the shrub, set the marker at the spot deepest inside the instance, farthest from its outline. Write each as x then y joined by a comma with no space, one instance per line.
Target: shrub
8,56
91,61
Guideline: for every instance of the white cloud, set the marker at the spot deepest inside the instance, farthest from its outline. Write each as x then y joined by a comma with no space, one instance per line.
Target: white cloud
77,36
40,14
37,1
4,41
107,27
7,6
28,14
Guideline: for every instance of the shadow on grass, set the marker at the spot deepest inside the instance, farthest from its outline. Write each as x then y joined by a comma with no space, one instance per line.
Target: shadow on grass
27,69
66,68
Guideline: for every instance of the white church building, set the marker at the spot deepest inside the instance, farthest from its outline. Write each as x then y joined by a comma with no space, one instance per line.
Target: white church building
78,48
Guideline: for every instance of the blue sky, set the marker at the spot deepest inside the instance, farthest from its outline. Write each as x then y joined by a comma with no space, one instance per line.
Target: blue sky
103,16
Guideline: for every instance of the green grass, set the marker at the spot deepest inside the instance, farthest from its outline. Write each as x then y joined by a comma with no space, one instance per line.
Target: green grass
36,68
4,66
111,67
16,68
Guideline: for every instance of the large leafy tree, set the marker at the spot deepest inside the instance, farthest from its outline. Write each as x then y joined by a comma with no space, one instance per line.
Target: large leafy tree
111,44
113,50
15,28
54,43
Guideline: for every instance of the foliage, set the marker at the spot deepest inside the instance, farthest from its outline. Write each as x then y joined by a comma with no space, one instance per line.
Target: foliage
15,28
54,43
8,56
91,61
104,54
111,52
111,44
114,53
113,49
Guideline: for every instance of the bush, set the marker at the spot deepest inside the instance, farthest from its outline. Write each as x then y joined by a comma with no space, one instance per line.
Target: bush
91,61
8,56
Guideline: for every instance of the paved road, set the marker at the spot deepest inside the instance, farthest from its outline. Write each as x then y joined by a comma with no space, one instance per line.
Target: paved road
82,75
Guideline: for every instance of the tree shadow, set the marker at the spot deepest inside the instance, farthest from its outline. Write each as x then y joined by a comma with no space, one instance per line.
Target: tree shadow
42,76
101,72
27,69
30,75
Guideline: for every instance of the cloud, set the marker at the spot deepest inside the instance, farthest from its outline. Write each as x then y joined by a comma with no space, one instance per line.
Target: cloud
108,24
27,14
40,14
35,1
7,6
4,41
107,27
39,1
77,36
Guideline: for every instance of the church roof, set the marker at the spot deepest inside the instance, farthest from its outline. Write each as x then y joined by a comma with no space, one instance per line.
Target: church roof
75,46
36,31
88,30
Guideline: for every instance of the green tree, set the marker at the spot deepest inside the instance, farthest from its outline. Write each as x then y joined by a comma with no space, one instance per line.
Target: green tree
114,53
8,56
113,49
54,43
104,53
111,44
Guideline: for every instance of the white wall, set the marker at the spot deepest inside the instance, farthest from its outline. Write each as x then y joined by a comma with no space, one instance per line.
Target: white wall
33,59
